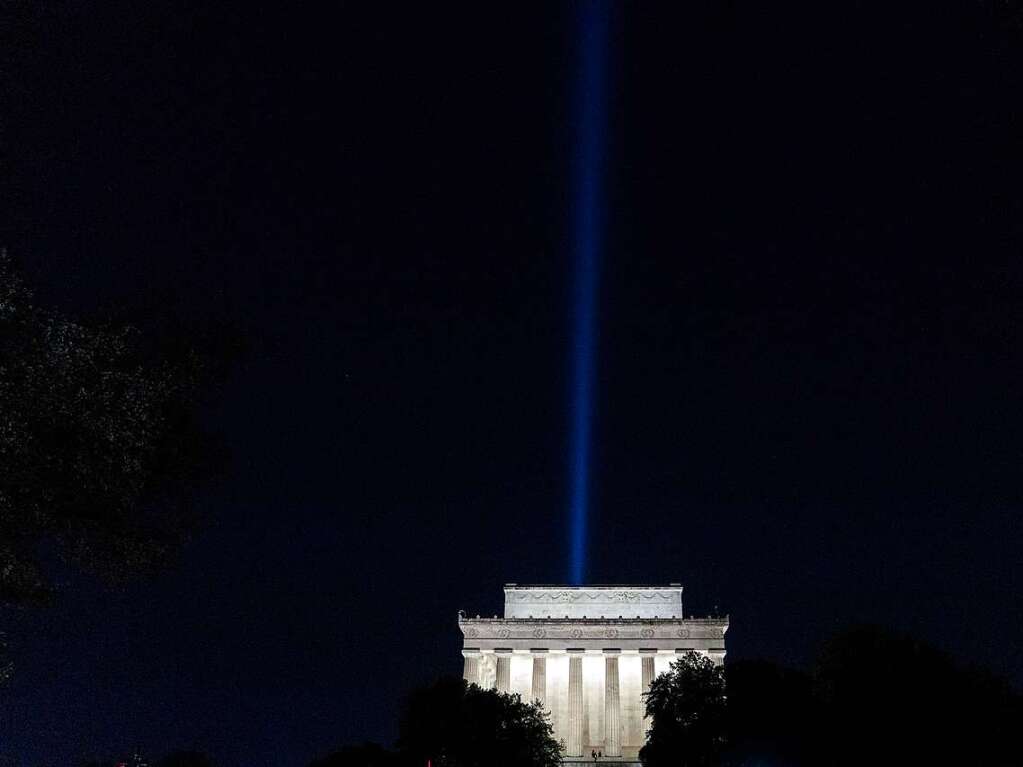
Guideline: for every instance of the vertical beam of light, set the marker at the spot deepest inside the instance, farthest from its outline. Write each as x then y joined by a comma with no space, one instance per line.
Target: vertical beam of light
587,242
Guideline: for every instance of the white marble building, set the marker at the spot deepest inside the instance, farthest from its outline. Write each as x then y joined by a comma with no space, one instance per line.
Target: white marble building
588,653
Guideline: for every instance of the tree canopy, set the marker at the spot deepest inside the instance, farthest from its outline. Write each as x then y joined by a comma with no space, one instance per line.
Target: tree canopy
686,709
771,714
453,724
880,692
874,697
99,442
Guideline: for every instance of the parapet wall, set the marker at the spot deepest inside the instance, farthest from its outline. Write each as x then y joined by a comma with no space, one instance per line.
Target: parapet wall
574,602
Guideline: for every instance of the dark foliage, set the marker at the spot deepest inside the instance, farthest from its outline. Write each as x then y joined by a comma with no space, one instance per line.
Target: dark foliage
5,663
770,712
886,697
686,709
458,725
99,442
366,755
875,697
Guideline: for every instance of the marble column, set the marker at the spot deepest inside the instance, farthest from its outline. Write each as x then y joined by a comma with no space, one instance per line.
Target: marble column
612,707
648,672
574,741
471,668
487,671
539,688
503,673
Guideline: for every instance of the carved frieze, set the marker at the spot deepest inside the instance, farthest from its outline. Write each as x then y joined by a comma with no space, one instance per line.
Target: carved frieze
581,595
593,602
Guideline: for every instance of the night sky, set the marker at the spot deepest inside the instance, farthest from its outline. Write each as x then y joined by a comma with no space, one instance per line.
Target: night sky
809,340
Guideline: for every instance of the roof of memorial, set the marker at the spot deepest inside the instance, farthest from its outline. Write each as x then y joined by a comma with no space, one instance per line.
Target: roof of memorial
594,586
462,617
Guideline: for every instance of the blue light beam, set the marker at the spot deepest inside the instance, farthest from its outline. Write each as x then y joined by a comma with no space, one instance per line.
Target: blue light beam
588,232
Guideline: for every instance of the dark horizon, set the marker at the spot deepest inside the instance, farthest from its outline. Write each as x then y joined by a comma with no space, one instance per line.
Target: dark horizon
807,378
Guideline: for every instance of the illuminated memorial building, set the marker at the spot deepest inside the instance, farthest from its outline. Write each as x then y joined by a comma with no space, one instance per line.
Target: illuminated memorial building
588,653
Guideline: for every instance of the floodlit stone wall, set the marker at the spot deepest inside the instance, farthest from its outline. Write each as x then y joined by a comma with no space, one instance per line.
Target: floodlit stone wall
591,668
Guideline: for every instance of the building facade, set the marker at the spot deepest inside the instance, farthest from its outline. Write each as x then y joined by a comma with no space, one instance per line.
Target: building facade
588,653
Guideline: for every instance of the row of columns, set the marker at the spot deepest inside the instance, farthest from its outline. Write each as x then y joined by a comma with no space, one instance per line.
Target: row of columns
494,670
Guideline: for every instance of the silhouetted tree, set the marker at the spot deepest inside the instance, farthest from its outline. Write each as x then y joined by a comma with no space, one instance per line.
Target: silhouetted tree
5,662
366,755
185,759
770,714
875,697
458,725
686,708
887,698
99,444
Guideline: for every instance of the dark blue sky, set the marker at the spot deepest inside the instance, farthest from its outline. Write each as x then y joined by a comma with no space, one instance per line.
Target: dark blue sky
807,383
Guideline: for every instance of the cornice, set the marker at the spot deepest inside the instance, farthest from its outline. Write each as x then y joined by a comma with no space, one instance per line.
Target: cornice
709,620
550,629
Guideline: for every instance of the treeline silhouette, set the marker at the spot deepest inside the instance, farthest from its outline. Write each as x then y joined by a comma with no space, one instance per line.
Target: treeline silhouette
873,697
